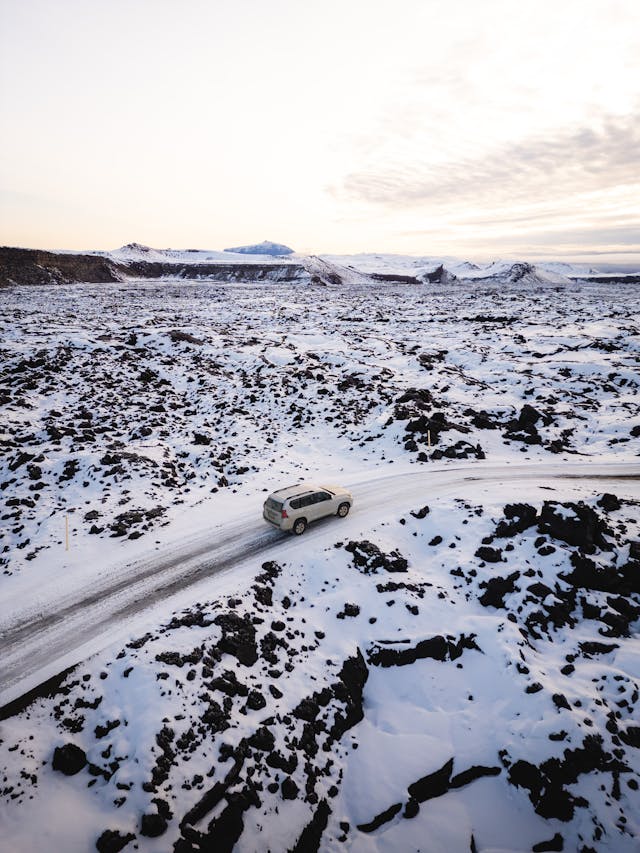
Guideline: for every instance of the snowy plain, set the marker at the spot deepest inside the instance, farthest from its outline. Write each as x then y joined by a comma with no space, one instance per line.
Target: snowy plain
156,417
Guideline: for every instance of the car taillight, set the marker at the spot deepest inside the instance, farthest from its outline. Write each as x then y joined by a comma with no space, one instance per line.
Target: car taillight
284,513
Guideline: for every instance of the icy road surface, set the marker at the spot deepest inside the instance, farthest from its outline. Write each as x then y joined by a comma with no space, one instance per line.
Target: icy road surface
43,635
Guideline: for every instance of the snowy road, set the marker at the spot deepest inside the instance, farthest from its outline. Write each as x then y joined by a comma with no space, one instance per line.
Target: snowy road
42,639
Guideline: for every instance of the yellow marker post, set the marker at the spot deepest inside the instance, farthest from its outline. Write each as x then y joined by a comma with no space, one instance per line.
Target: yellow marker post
429,437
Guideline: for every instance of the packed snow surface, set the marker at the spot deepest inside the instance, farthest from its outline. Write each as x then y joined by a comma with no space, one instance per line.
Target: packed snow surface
452,667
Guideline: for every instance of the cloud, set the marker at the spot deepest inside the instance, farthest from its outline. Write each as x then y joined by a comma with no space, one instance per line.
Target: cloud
616,236
546,235
585,159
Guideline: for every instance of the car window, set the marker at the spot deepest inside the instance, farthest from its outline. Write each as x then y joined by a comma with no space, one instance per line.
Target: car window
307,500
296,503
321,496
273,504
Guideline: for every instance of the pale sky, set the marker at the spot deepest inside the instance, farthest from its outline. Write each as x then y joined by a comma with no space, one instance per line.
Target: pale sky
476,128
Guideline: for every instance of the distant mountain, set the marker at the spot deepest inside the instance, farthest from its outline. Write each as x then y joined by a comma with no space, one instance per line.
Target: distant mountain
264,248
137,247
137,252
440,275
505,272
275,262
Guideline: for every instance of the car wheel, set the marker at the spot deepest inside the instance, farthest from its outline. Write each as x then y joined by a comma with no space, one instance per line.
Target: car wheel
343,510
299,527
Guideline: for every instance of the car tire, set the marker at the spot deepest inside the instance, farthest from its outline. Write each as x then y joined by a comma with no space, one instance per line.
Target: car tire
299,526
343,510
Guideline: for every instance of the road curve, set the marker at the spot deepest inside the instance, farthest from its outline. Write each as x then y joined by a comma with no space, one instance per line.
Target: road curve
36,644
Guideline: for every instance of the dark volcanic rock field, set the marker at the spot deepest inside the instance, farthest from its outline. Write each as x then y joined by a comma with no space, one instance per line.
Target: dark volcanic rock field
460,676
120,402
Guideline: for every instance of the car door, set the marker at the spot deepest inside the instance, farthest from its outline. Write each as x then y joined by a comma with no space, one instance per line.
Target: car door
323,504
307,507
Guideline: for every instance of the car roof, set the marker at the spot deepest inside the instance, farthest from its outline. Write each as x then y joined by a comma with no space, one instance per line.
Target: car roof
297,490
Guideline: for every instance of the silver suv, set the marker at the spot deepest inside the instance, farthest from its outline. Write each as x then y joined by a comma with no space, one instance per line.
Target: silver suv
293,507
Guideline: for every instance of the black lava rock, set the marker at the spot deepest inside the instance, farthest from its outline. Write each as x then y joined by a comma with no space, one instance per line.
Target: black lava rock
518,518
289,789
381,819
153,825
609,502
436,648
496,589
420,513
488,554
255,700
238,637
368,558
69,759
553,844
262,739
112,842
573,523
433,785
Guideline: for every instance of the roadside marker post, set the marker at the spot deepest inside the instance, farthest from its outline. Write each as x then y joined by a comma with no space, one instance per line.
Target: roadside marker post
66,531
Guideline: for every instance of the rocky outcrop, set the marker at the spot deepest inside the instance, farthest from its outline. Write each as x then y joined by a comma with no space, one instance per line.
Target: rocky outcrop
440,275
436,648
214,272
32,266
402,279
35,267
519,273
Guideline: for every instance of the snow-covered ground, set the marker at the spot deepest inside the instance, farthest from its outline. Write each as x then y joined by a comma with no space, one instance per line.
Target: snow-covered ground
336,697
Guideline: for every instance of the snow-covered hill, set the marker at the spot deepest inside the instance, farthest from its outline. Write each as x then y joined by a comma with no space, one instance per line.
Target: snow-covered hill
525,274
330,271
137,252
264,248
422,266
